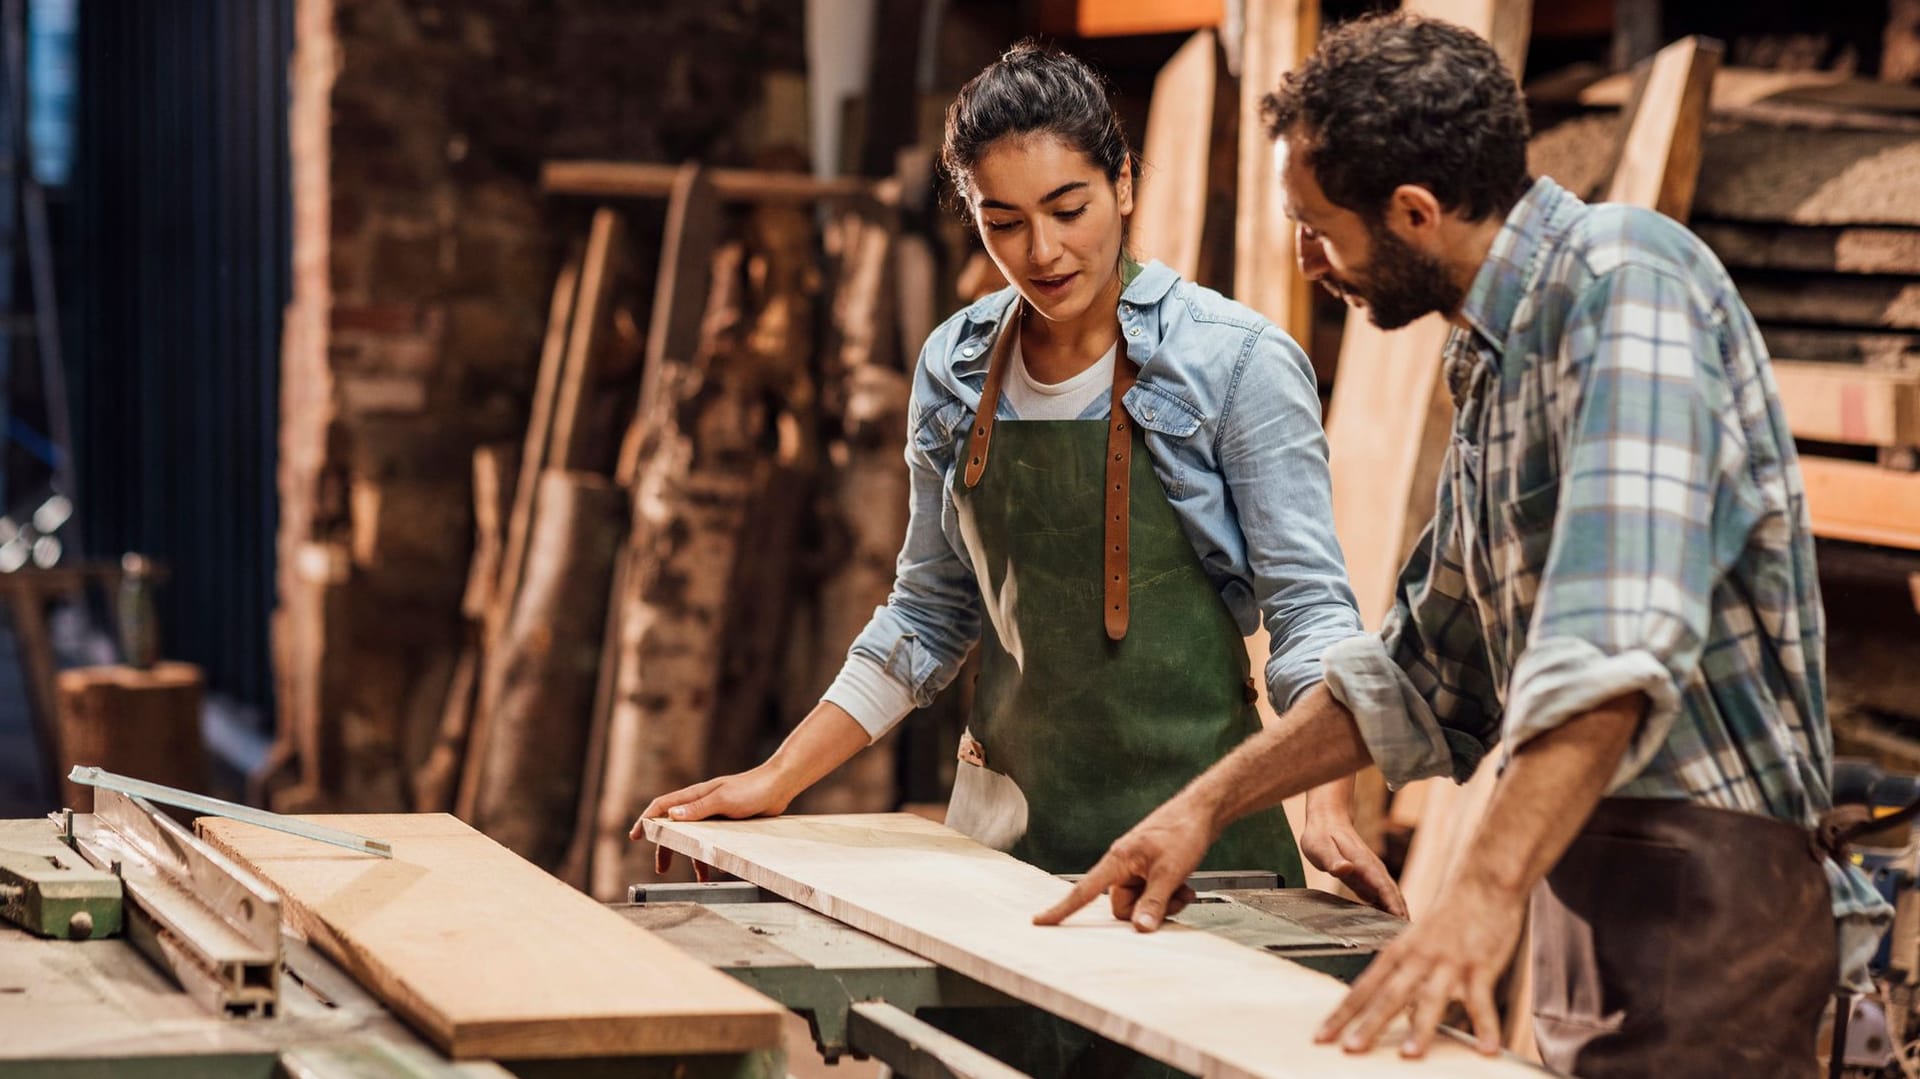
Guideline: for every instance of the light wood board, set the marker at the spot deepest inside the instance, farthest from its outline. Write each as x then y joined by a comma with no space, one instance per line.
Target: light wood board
1841,402
1277,35
1864,503
489,957
1170,212
1194,1000
1660,156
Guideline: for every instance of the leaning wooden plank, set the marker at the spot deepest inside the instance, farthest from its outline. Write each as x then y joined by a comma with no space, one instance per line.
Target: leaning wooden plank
1839,402
624,179
1194,1000
489,957
1276,35
1809,177
590,350
1660,156
1829,250
1388,423
1864,503
1867,302
1170,214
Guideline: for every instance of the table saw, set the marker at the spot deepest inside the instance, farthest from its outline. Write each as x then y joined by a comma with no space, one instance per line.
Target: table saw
78,1001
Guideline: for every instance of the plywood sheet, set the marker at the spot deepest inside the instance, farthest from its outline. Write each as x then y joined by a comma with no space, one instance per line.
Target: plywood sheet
1194,1000
489,957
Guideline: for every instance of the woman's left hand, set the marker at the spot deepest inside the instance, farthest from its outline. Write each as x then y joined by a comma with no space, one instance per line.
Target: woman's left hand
1333,845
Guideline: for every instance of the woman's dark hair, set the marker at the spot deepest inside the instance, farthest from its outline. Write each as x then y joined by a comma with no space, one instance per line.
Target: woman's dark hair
1033,88
1401,99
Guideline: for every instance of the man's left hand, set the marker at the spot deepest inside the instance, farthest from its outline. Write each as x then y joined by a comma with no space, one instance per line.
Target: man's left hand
1455,954
1335,847
1145,871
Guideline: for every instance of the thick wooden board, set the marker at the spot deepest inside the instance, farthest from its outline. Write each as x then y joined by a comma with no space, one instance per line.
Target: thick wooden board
1864,503
1660,157
1809,177
1266,267
1891,350
1867,302
1829,250
1186,997
1745,87
1170,212
1862,406
489,957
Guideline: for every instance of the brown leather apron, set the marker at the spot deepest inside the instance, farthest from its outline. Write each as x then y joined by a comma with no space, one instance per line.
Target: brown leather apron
1677,940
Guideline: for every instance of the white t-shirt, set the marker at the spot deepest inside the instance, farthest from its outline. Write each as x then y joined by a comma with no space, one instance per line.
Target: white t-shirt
864,688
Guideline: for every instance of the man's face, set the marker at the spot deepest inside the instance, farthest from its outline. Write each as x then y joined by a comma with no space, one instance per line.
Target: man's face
1362,261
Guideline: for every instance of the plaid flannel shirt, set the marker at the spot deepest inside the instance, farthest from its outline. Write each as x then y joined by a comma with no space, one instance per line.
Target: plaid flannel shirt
1620,510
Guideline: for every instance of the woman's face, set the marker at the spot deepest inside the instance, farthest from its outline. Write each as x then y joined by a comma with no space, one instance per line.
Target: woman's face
1052,221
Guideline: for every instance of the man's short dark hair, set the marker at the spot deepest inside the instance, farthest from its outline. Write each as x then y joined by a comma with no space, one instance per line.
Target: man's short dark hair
1401,99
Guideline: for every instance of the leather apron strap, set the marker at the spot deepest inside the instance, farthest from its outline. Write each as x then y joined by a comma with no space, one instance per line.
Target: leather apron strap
1119,464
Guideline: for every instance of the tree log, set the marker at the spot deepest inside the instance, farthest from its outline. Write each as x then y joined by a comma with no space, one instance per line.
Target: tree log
548,657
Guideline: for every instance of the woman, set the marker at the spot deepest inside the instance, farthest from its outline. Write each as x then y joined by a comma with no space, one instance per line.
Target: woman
1122,472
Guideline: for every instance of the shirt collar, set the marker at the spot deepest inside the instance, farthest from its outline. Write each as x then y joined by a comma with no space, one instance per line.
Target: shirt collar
1502,280
986,314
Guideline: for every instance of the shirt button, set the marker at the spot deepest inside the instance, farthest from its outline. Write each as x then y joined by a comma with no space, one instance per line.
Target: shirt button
968,351
1133,331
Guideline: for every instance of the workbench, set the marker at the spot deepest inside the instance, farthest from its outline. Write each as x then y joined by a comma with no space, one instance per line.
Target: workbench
99,1007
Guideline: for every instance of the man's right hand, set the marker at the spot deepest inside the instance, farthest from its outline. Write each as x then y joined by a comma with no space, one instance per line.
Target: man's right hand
757,792
1145,870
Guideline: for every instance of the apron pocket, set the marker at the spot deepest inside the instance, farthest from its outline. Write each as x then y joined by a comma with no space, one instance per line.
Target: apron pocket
987,807
1601,922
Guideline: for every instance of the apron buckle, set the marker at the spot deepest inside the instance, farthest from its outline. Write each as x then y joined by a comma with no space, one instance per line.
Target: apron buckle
971,751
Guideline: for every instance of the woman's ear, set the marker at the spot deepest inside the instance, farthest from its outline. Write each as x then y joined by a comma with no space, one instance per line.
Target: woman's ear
1123,187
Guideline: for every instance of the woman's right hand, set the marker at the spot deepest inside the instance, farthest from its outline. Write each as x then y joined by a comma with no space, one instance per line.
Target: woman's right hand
756,792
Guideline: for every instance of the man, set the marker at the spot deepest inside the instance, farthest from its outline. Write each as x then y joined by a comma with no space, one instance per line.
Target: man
1616,594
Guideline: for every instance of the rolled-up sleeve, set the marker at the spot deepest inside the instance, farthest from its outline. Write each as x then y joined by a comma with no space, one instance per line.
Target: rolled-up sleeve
1273,455
932,617
1642,520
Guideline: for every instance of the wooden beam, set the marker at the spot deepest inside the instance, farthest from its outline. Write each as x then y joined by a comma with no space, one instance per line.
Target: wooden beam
636,180
1879,349
1660,156
1862,406
1277,35
489,957
1114,18
1170,209
1194,1000
1746,87
1863,503
1826,250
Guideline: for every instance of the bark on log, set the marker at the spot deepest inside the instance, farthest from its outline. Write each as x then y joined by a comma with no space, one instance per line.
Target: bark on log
549,658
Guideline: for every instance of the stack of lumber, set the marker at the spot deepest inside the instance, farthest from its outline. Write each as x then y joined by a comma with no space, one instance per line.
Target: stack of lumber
669,566
1806,193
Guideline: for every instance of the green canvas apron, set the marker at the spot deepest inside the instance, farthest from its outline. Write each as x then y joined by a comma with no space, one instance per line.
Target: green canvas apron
1075,735
1080,734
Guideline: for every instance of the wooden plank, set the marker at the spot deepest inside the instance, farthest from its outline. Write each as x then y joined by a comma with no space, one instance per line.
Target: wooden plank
1196,1001
1277,35
1170,205
489,957
1746,87
627,179
1660,156
1874,303
1388,424
589,348
1827,250
144,723
1861,406
1800,177
1864,503
1878,349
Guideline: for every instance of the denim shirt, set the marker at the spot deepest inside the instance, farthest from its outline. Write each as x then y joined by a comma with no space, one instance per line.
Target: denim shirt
1231,418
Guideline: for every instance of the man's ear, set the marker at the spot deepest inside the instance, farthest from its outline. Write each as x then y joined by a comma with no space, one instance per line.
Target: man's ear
1414,213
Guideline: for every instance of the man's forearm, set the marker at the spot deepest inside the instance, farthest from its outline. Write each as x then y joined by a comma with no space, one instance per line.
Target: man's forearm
1314,742
1547,793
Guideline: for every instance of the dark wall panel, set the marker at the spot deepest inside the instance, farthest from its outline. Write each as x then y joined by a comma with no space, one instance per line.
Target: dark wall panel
179,271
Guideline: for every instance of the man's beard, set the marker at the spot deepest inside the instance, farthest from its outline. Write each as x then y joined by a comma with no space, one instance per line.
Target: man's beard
1402,283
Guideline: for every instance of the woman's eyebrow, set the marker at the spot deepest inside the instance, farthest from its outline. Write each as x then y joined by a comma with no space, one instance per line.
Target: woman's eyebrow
1074,185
